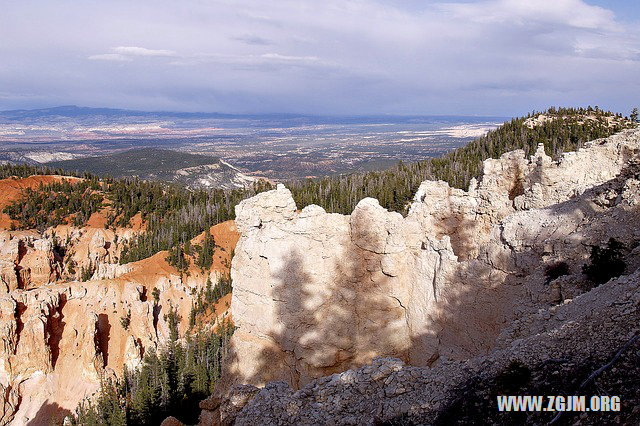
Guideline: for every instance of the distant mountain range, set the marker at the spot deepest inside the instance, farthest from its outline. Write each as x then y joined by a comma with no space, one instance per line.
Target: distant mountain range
73,111
277,146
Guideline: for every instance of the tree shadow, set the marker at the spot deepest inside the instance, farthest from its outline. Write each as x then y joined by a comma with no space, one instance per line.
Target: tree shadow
156,315
340,313
20,310
50,413
334,316
56,326
103,336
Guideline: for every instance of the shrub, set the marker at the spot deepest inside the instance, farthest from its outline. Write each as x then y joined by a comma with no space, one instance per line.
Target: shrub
71,266
125,321
177,259
605,262
87,272
205,252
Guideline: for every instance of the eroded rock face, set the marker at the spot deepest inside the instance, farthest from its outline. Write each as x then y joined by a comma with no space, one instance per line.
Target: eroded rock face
56,334
57,341
389,390
60,337
317,293
29,259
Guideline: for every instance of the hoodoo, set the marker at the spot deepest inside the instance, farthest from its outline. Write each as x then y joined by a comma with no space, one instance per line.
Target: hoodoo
466,275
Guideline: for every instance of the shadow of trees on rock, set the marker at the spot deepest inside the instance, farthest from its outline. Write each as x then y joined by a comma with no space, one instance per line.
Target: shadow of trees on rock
103,333
56,327
329,326
49,414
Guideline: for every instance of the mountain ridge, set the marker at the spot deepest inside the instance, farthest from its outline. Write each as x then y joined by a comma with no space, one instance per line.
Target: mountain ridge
149,163
78,111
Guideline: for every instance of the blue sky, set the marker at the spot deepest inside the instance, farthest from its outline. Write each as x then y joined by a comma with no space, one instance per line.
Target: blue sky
489,57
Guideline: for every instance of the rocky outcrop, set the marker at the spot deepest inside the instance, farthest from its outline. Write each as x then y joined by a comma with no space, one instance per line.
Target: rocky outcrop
513,183
388,390
318,293
59,338
29,259
67,336
94,250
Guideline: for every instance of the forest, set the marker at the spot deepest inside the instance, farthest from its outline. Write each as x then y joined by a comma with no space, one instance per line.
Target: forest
173,215
394,188
53,204
171,381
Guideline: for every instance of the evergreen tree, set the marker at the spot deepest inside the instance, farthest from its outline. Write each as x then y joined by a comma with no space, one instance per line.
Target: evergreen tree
205,252
171,381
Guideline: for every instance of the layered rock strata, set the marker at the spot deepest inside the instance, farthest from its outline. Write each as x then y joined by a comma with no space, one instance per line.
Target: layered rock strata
59,336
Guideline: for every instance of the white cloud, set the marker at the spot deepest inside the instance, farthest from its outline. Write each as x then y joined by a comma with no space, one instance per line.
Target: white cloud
351,56
116,57
574,13
288,58
250,61
127,53
141,51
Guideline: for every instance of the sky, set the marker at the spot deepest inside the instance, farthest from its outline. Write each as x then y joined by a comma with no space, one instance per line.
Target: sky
337,57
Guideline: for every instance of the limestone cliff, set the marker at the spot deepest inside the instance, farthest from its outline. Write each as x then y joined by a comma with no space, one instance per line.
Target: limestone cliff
318,293
59,336
565,346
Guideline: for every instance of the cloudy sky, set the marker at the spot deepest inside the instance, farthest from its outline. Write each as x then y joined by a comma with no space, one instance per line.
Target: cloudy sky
488,57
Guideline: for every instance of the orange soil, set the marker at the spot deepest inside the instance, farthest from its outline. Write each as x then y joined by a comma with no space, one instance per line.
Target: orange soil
136,222
154,266
222,306
11,190
222,309
98,219
225,235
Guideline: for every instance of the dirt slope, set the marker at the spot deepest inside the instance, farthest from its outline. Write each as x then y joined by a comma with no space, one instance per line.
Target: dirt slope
11,189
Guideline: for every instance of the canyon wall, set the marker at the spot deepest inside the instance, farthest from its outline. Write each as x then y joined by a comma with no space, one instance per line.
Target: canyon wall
556,349
316,293
61,336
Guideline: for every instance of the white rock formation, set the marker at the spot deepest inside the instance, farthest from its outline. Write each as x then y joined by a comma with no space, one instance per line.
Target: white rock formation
388,390
318,293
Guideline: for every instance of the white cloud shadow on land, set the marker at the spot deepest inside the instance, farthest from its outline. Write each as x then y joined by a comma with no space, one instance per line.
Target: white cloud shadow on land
484,57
